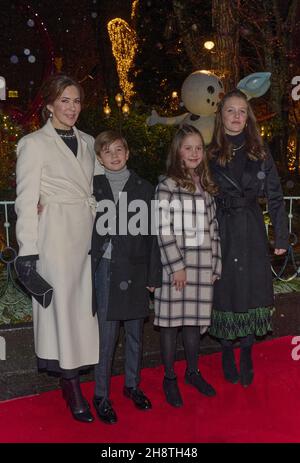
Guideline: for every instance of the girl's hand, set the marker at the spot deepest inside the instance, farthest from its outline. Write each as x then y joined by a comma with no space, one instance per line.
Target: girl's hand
279,252
151,288
179,279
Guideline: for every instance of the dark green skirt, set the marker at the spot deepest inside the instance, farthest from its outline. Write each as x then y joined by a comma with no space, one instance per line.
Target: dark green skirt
233,325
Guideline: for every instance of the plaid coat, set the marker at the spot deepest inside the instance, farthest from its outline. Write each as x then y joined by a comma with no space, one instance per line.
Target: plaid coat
198,252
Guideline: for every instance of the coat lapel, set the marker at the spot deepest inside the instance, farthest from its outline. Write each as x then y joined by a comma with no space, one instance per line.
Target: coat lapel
81,153
75,162
131,182
105,188
224,173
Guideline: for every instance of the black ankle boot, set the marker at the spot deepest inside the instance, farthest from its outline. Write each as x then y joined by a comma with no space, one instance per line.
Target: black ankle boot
74,399
246,366
172,392
195,379
228,363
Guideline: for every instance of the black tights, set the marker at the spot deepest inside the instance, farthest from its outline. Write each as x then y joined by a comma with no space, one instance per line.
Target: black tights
70,374
246,341
191,343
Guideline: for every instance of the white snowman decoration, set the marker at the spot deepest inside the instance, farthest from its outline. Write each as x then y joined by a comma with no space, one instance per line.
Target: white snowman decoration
201,92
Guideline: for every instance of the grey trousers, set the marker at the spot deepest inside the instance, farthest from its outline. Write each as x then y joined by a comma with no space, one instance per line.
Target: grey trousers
109,332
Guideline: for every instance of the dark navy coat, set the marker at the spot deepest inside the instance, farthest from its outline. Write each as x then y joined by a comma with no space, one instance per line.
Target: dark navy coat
135,260
246,280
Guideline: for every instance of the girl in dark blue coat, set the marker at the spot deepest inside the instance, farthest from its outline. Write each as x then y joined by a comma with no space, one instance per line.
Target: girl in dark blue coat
243,170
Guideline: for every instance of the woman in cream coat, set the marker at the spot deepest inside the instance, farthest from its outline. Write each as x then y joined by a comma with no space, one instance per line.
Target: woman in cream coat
55,168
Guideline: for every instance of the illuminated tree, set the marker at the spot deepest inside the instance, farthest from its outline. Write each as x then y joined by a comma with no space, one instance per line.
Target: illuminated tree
9,136
268,42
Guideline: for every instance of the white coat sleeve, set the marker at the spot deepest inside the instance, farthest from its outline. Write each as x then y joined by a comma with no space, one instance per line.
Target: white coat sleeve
28,177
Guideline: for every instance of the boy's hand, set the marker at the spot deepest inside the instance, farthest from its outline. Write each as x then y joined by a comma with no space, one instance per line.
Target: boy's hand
150,288
279,252
179,279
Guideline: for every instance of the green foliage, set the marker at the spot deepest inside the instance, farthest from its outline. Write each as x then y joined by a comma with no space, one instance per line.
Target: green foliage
15,306
281,287
148,145
10,133
273,127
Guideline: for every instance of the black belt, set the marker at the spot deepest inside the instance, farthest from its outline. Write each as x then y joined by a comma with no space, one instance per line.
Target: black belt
233,203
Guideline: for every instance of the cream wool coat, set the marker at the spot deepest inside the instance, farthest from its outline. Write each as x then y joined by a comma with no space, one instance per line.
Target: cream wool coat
49,173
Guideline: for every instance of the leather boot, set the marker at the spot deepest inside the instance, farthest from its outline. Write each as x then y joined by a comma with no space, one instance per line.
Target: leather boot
246,366
74,399
172,392
195,379
228,363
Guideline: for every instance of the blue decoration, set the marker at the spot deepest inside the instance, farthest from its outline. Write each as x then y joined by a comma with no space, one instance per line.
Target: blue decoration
255,85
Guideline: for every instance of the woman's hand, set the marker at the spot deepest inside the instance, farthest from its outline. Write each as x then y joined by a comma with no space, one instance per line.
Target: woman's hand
40,208
279,252
214,278
179,279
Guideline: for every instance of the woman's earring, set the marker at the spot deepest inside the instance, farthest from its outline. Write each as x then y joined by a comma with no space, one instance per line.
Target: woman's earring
51,115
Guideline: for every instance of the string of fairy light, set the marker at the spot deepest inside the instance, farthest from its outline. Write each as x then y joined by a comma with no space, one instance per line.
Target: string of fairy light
291,153
267,132
134,8
9,136
124,45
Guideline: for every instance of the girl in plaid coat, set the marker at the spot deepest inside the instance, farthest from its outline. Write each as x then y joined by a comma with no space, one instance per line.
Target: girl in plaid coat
190,253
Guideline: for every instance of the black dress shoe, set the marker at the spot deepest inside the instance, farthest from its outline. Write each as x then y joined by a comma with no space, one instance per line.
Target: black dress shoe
246,366
195,379
172,392
138,397
104,410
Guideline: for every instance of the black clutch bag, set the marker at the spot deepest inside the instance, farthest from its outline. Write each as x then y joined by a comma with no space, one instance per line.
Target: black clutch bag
37,287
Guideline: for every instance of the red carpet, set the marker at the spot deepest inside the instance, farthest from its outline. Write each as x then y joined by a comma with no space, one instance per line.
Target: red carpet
268,411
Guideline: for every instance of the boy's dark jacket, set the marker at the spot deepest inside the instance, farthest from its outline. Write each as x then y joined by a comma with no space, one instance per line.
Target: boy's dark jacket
135,260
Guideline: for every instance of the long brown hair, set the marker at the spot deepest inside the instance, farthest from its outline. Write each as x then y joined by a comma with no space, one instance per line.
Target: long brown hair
221,148
54,87
176,168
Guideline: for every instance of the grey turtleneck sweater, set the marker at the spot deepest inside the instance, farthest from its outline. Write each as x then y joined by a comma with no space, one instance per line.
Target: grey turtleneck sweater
117,181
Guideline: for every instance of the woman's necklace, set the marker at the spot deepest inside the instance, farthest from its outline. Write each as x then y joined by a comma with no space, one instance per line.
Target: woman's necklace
238,147
234,150
66,133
